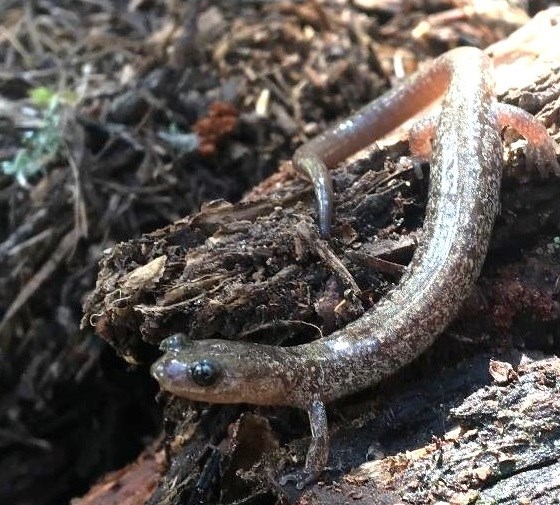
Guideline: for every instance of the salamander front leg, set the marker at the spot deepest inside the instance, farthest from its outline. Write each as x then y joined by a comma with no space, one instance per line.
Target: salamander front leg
310,165
541,151
318,451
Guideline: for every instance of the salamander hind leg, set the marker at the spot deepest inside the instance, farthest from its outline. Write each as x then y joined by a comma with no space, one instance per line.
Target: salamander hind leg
318,451
541,149
421,134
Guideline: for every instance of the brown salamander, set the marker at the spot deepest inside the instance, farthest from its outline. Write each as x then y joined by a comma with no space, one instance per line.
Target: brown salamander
464,139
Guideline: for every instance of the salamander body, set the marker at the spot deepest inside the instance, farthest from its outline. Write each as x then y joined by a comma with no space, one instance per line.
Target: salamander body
463,137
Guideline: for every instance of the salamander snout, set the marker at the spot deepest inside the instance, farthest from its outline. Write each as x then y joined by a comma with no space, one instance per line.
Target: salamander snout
169,370
176,374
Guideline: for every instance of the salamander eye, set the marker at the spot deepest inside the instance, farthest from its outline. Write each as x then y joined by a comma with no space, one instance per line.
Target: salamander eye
204,373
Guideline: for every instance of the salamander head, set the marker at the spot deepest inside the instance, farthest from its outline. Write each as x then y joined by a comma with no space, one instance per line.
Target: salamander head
221,371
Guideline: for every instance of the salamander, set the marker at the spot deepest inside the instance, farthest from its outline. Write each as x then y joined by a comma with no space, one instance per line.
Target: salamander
463,137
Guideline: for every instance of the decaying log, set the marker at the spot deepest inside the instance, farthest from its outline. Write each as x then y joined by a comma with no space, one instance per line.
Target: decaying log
258,271
501,445
498,434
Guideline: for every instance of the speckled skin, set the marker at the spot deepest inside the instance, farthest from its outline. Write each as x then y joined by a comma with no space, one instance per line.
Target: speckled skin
463,203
